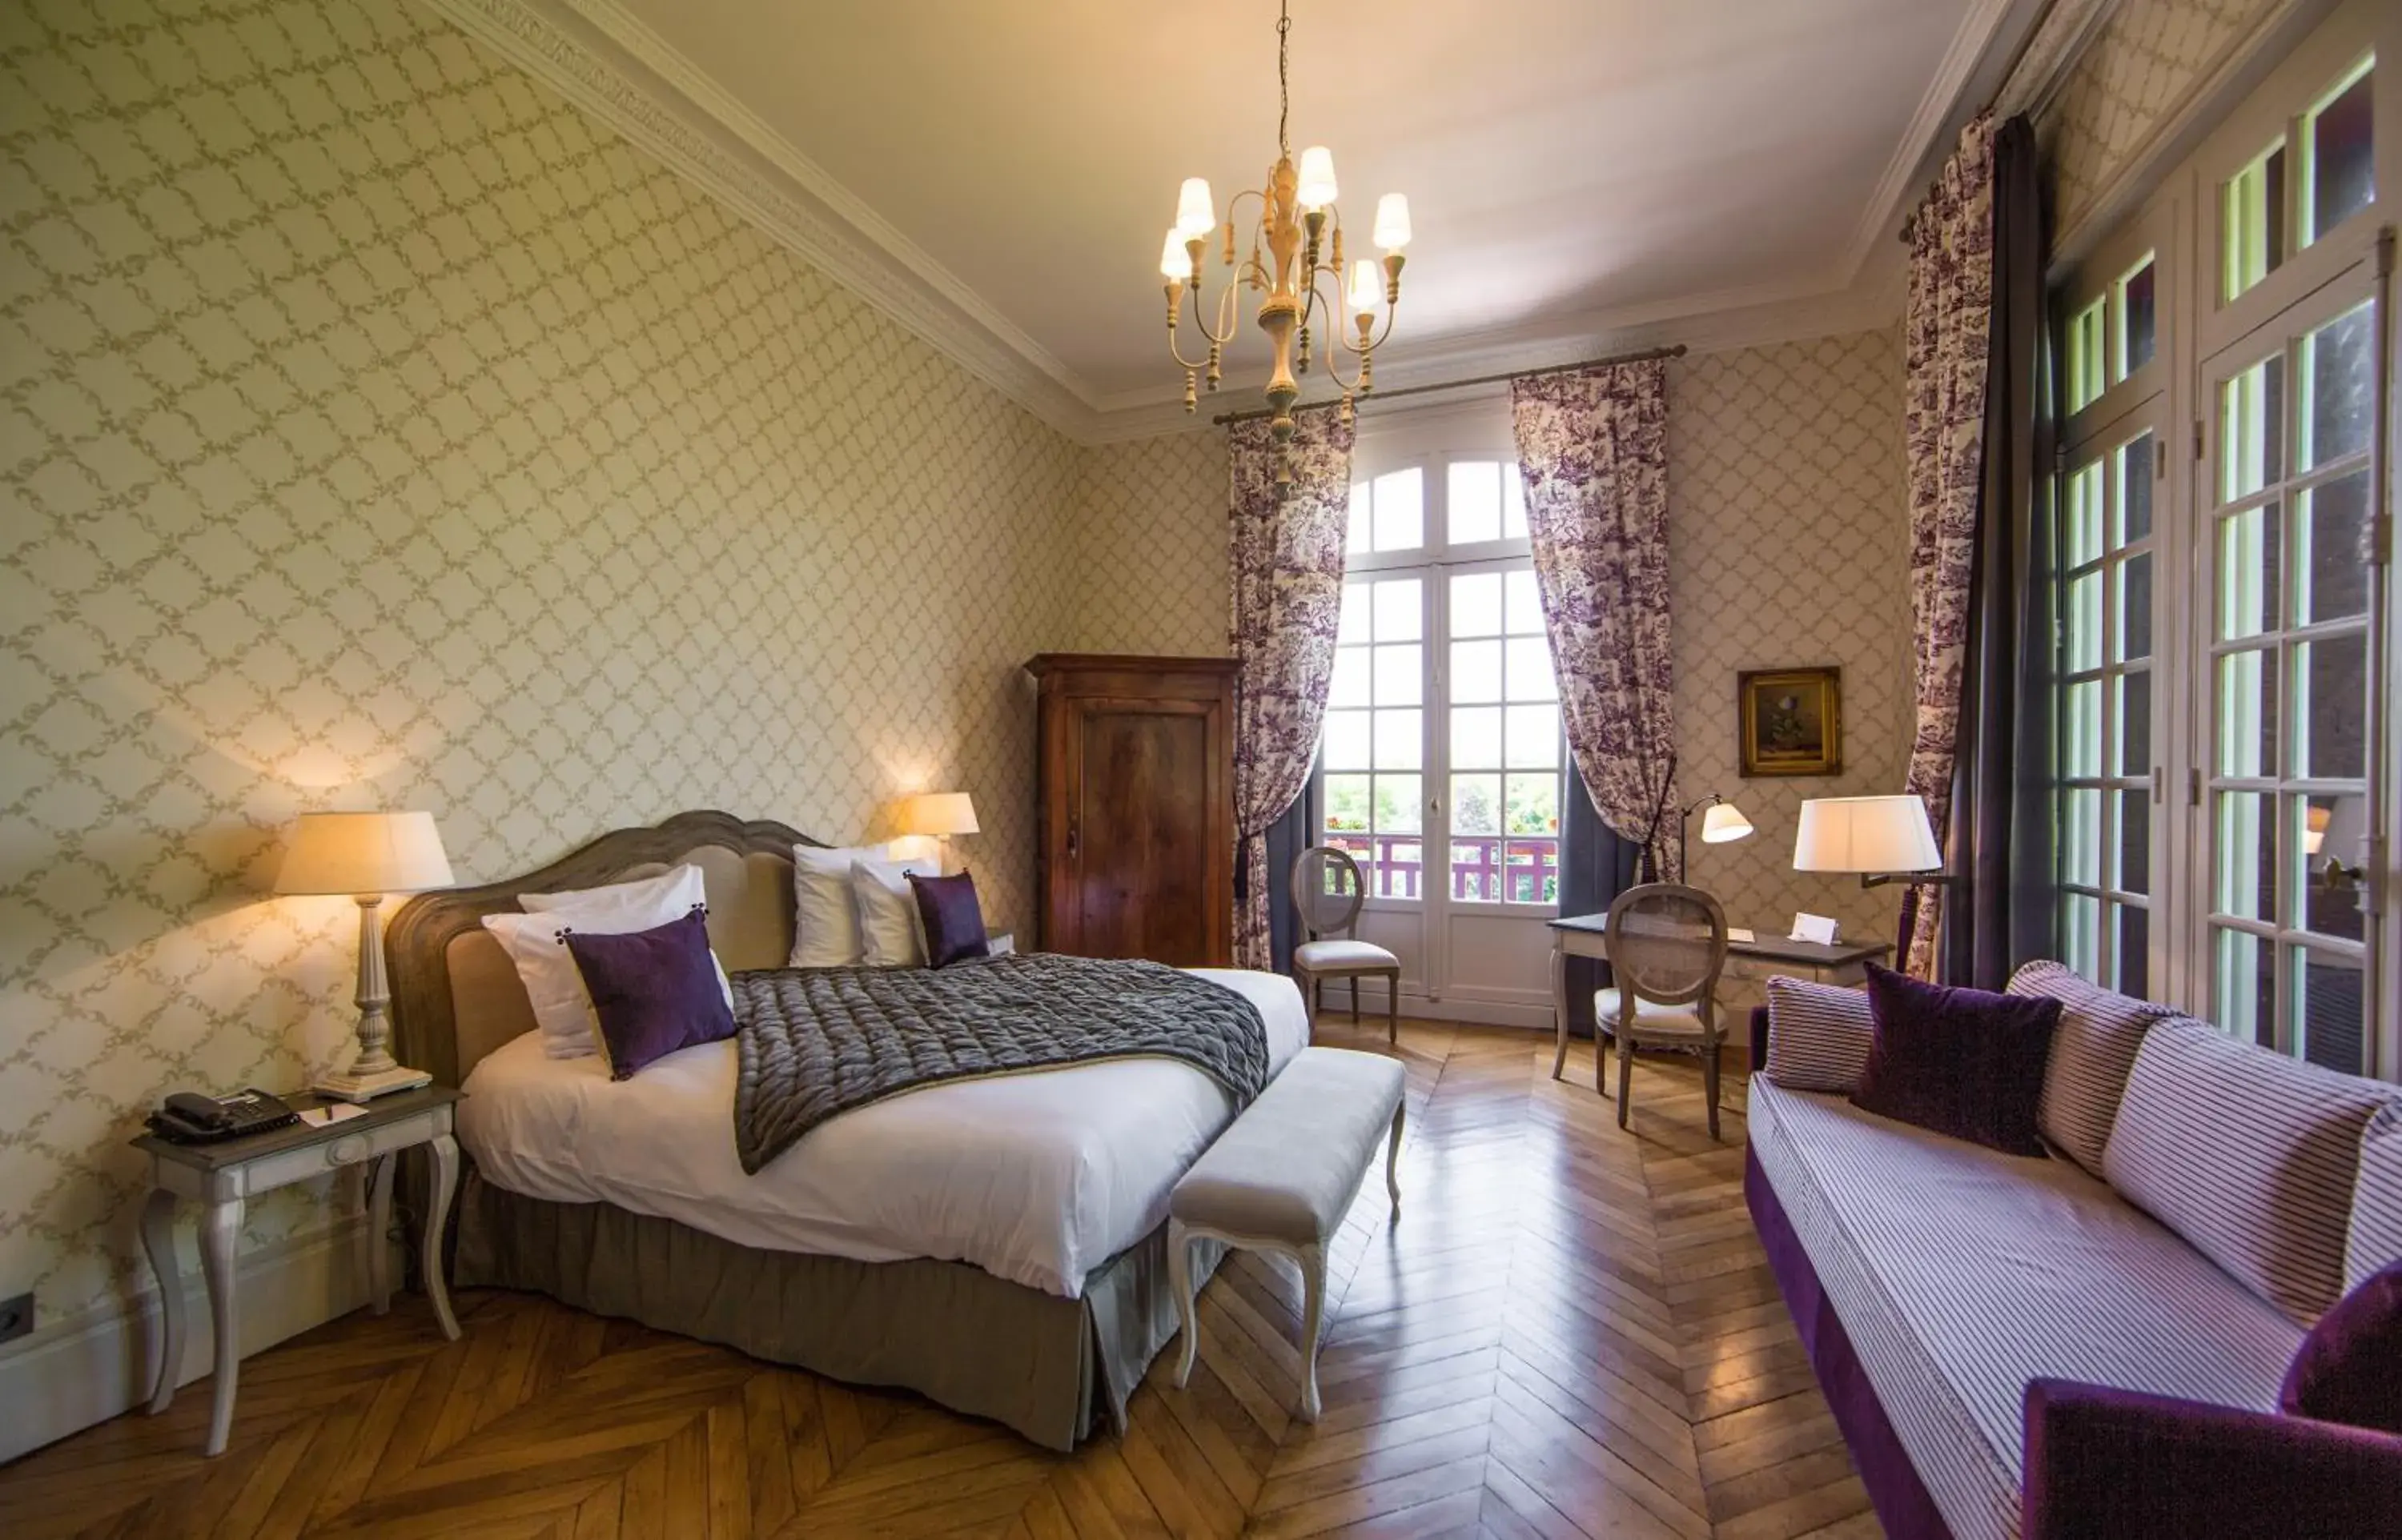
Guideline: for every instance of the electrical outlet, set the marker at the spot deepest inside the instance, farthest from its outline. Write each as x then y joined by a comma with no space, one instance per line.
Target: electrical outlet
15,1317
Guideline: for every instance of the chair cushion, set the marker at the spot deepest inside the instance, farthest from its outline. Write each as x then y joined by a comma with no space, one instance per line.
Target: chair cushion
2350,1367
1960,1274
1287,1167
2093,1050
1326,956
2376,1235
1818,1035
1649,1015
2249,1155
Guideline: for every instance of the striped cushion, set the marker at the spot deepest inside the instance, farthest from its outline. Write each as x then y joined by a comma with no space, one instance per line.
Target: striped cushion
2091,1051
2376,1239
1960,1274
2248,1155
1818,1035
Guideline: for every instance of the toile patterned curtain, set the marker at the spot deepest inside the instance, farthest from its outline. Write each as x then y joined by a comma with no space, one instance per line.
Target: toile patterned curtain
1285,545
1946,334
1593,445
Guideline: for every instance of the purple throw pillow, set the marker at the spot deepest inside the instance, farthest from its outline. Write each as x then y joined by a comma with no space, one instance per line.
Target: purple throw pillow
655,991
953,920
2349,1369
1961,1062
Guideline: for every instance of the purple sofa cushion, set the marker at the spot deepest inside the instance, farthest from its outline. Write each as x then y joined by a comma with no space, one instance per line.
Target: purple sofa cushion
2092,1052
952,918
653,990
2350,1367
1964,1062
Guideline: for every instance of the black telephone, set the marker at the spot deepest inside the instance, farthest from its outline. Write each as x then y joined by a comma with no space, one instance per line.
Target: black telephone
189,1119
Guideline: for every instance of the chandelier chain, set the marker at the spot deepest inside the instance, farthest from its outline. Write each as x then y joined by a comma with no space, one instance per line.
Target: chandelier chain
1284,86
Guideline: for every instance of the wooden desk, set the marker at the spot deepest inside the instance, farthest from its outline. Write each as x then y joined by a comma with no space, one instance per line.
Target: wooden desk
1768,957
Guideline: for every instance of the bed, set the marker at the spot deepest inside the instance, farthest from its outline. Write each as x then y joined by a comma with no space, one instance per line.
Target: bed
996,1244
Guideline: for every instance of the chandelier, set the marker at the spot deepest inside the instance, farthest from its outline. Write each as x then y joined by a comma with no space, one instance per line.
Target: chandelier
1302,234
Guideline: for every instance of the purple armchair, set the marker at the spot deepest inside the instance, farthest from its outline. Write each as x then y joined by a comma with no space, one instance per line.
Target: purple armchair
2123,1464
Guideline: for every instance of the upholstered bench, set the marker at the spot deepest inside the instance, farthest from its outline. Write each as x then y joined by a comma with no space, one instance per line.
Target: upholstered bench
1281,1179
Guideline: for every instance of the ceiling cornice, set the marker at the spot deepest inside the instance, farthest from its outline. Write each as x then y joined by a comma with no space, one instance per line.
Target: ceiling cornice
771,186
608,64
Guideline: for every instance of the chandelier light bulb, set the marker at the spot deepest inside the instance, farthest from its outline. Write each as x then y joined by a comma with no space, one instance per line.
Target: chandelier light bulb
1392,222
1317,189
1195,214
1173,263
1367,289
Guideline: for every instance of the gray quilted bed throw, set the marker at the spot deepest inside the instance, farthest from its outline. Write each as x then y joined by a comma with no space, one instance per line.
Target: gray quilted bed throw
816,1042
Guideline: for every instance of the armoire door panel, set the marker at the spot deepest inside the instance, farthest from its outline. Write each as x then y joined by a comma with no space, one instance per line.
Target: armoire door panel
1141,832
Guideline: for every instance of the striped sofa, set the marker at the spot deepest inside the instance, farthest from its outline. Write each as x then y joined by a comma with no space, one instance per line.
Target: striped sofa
2091,1344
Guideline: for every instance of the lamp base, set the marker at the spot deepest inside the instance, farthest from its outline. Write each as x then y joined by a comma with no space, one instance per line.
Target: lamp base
347,1087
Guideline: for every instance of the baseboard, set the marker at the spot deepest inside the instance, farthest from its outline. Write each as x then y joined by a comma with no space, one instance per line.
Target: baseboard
89,1367
1336,1005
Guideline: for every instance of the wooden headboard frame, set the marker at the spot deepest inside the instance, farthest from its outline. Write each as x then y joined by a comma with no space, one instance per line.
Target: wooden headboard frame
426,1031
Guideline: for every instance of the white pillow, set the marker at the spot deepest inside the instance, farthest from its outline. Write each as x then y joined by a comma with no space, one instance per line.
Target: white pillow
890,933
825,917
536,943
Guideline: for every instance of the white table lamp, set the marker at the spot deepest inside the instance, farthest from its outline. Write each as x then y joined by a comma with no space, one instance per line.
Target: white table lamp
1884,839
1723,822
938,815
366,854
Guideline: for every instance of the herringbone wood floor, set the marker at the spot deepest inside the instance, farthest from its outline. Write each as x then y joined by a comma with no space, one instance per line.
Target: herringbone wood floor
1570,1331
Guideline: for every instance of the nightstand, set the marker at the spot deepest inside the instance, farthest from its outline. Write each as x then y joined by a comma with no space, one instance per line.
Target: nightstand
225,1176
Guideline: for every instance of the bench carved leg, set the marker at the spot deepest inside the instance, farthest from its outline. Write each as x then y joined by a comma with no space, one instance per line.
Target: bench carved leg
1393,1161
1313,1278
1180,1278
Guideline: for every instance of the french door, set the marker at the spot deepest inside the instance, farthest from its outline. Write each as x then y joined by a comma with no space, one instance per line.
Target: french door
1443,756
2289,699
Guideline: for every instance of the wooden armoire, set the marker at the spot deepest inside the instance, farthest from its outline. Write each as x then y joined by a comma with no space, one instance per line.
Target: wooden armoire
1136,850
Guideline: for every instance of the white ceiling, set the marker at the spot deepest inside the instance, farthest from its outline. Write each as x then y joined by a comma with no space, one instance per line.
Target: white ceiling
1579,171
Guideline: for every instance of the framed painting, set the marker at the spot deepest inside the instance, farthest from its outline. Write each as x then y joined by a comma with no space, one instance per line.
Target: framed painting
1791,721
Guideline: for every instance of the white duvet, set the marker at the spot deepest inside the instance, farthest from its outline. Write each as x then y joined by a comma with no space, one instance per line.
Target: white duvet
1038,1178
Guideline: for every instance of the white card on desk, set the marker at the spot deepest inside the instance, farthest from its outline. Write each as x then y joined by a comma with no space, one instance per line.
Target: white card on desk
1813,928
323,1117
1737,934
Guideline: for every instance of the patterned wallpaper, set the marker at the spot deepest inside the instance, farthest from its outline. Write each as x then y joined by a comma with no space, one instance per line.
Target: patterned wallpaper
374,431
1151,546
2146,59
1789,545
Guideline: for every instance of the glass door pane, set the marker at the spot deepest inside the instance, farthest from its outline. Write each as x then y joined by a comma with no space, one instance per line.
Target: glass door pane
1374,744
2286,698
2104,703
1505,740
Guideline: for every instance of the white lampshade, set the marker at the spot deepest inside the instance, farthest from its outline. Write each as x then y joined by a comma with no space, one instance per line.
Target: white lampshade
1866,834
1174,262
1723,822
363,853
1392,222
1317,188
939,813
1195,214
1367,289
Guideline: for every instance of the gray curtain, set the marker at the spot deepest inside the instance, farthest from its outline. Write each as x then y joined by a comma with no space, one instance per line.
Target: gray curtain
1288,837
1595,866
1998,843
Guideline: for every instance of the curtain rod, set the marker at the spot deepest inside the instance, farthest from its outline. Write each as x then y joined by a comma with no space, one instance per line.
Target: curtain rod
1375,396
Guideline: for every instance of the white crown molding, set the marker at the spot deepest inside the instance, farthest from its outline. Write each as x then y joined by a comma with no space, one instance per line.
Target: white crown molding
640,100
608,64
1872,302
1936,109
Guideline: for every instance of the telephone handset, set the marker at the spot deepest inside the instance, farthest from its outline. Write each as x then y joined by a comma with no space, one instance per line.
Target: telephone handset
189,1119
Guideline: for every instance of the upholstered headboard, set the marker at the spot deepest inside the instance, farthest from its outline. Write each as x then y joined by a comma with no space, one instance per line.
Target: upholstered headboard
455,995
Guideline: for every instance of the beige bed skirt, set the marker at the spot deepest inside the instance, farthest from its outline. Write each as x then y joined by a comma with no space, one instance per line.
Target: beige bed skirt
956,1334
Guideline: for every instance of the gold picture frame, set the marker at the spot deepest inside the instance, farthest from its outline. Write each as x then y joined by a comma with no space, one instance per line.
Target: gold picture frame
1791,722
